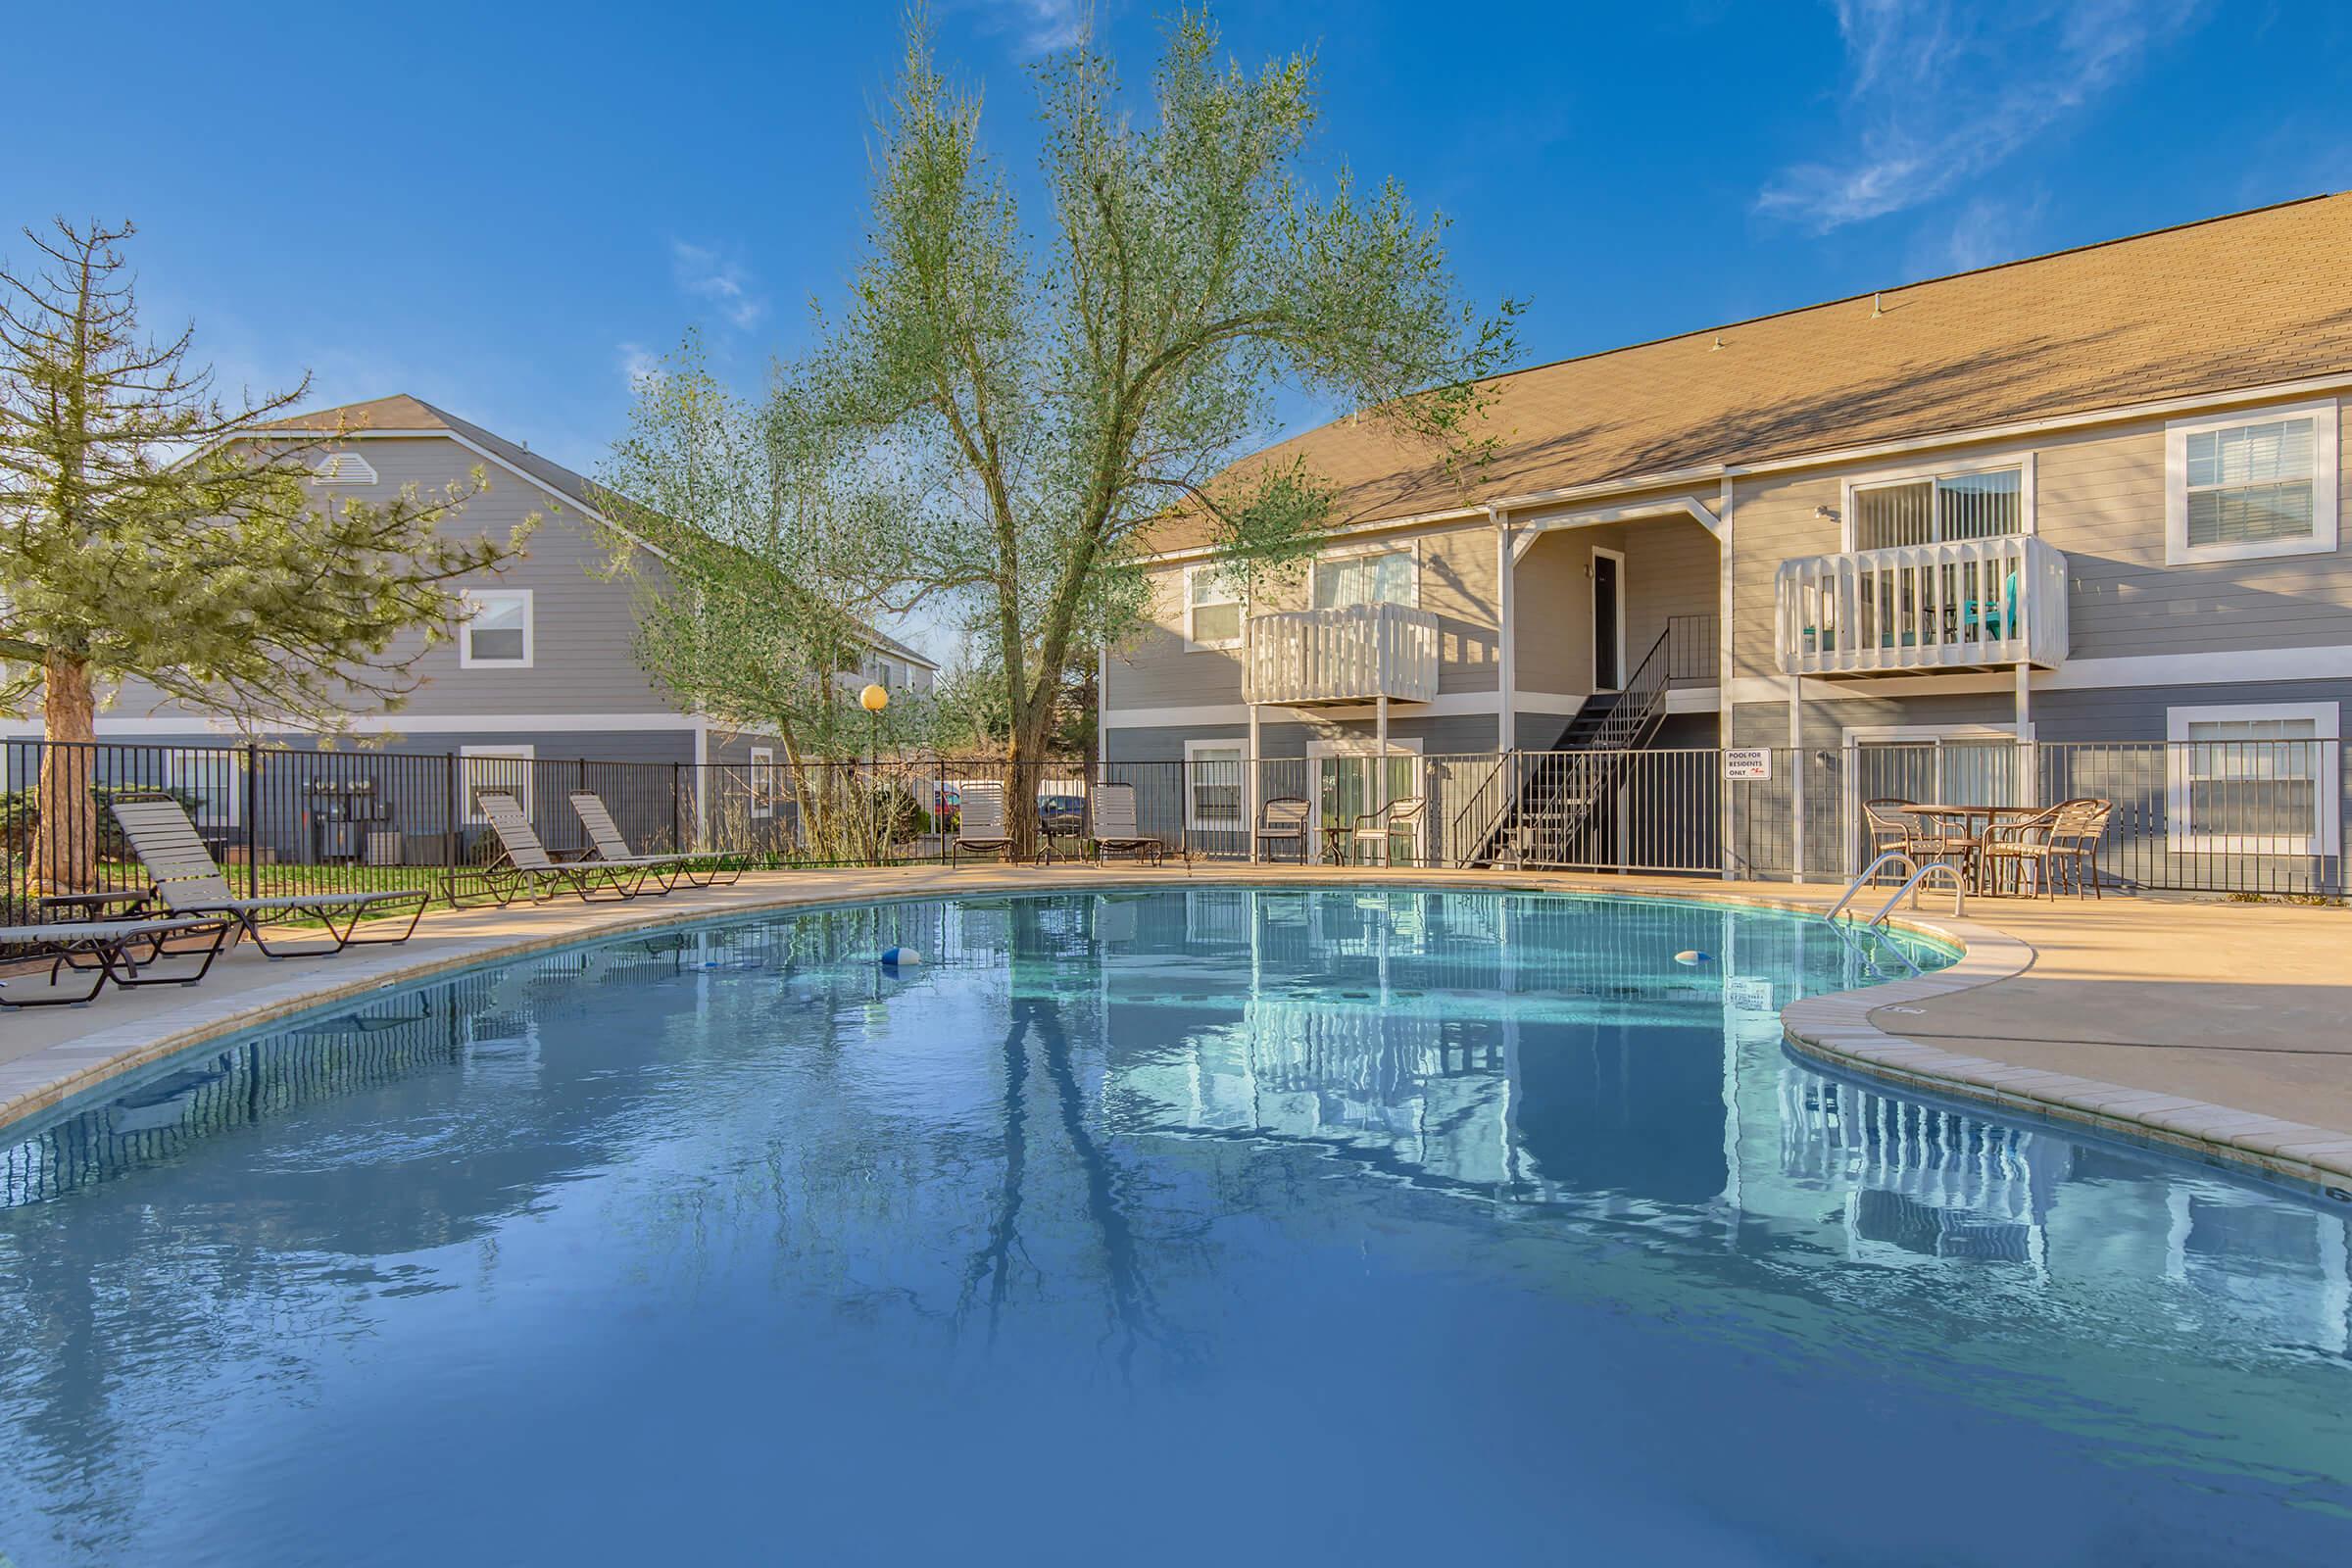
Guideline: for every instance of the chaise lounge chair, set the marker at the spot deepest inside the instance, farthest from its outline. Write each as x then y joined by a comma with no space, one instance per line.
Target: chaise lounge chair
525,869
188,881
112,950
1115,832
980,822
604,837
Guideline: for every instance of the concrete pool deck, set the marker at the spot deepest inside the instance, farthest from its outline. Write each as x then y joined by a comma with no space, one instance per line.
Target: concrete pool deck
2222,1029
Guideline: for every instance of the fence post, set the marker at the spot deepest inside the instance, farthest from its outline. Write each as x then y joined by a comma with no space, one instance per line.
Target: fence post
253,821
449,815
677,808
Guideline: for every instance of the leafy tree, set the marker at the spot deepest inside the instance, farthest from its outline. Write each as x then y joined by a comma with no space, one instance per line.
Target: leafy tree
752,561
1062,402
151,531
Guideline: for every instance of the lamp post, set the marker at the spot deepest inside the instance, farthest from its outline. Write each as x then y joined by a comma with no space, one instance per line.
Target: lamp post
874,699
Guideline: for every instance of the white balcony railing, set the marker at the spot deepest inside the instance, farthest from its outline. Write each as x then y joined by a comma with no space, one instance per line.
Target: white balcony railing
1976,604
1343,656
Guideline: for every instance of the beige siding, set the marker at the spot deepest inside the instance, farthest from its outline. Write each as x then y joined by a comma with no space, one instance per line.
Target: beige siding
1152,669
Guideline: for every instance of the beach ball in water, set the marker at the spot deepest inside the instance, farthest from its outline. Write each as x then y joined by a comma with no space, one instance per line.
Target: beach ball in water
891,958
1691,956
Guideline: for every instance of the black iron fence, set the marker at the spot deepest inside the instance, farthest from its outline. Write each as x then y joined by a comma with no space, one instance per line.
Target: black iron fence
2221,815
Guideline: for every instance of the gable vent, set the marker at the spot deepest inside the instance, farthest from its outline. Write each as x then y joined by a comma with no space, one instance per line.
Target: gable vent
343,468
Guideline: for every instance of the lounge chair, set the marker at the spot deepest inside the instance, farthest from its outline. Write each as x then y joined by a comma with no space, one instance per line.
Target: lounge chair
604,837
111,949
980,822
1283,821
1115,832
1375,831
188,881
525,869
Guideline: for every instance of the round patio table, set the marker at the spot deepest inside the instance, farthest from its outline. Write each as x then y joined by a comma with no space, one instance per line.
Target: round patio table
1335,843
1975,822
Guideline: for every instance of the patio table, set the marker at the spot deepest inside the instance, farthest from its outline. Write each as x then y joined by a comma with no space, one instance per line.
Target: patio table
1975,822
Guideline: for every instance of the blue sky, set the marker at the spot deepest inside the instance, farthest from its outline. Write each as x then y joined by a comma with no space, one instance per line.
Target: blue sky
502,209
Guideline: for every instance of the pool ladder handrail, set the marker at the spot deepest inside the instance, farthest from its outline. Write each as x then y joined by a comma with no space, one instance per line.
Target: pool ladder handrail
1919,874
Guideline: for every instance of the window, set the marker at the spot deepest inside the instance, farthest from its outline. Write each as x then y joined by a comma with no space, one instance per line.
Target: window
763,782
1212,786
2255,780
1377,577
497,633
1212,610
1938,509
2243,488
343,468
496,767
210,780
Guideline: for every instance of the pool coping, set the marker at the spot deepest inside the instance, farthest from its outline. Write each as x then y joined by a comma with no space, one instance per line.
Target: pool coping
1835,1029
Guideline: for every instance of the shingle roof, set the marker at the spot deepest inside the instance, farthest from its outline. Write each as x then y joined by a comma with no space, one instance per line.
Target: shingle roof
2242,301
401,412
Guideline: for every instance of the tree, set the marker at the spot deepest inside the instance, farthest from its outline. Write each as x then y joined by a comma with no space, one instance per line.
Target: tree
753,559
151,531
1063,405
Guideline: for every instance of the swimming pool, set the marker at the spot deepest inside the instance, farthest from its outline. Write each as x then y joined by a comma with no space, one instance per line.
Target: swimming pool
1176,1225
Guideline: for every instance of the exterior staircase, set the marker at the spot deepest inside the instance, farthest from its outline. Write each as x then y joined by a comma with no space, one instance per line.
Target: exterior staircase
1546,807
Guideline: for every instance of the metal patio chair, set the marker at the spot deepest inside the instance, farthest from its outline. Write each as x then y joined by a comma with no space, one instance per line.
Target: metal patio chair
610,849
1115,831
1284,821
979,822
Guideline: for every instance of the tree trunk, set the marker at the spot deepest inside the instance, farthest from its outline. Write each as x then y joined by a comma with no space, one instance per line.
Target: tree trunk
1024,771
65,845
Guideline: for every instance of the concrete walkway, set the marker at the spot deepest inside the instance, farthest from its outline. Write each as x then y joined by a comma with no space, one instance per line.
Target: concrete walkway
2223,1028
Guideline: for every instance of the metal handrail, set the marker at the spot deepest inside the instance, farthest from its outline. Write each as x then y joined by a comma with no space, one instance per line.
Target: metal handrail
1869,872
1959,890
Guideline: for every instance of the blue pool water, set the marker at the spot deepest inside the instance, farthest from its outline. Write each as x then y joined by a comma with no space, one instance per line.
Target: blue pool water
1181,1226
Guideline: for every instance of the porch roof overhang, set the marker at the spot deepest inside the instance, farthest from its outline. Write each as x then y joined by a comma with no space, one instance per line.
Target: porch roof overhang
1526,533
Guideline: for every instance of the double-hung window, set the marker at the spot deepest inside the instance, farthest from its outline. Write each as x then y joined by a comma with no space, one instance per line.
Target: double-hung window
1212,610
497,634
1214,786
2251,485
763,782
1940,509
209,782
2259,779
1373,577
501,769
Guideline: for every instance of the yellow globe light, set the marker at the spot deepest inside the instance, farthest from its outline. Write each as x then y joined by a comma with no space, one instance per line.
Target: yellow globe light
874,699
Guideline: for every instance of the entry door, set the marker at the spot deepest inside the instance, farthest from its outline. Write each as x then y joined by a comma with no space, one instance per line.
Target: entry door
1609,620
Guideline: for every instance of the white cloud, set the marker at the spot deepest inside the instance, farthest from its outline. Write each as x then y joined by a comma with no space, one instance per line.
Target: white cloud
639,367
1041,25
709,276
1941,90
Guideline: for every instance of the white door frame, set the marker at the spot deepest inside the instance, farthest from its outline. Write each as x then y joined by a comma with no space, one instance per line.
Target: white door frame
1618,555
1318,749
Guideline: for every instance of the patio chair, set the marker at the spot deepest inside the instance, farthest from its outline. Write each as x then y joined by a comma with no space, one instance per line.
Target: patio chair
1890,830
2058,842
1115,830
1375,831
525,869
188,881
610,849
980,822
111,949
1283,821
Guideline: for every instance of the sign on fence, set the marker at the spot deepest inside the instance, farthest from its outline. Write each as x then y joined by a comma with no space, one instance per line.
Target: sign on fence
1741,764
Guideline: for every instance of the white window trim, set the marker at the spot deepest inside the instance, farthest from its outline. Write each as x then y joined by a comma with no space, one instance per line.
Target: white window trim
762,773
1410,549
476,600
504,750
1192,750
2181,829
175,772
2029,514
2324,484
1191,644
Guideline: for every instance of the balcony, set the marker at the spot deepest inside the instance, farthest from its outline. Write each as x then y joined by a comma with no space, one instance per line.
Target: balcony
1971,605
1304,657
